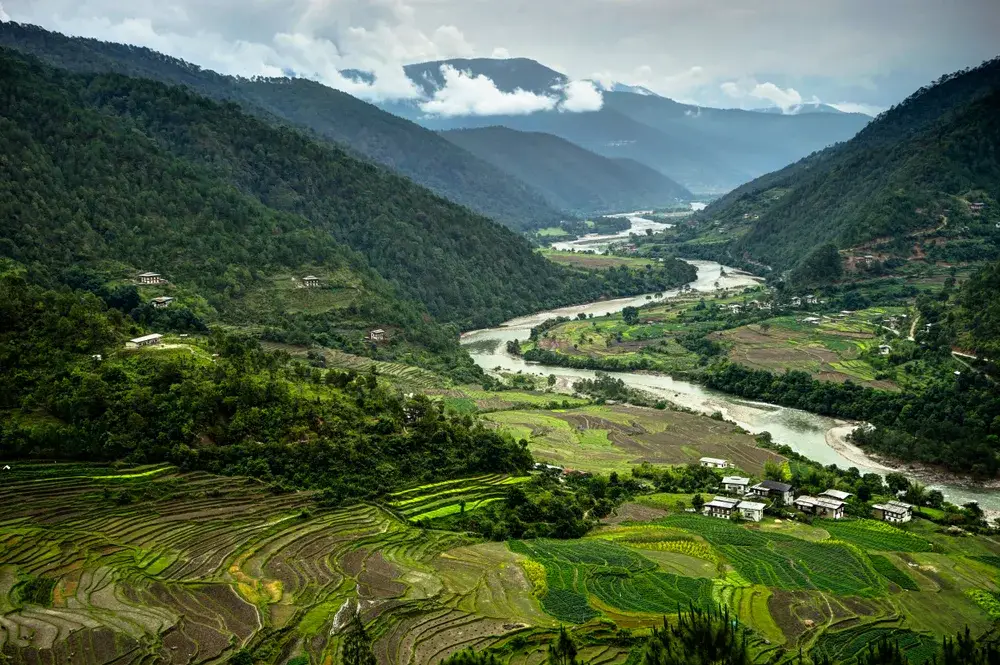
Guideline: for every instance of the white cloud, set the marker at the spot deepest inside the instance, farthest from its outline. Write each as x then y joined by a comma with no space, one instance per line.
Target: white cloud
855,107
500,53
580,97
463,94
747,90
4,17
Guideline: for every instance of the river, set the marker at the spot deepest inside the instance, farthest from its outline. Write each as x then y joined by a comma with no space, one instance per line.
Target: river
820,438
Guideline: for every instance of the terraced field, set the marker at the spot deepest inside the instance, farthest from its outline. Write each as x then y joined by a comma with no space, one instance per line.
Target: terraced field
187,568
101,564
428,502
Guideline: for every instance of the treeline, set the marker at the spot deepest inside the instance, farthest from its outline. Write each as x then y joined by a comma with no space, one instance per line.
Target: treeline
952,423
69,391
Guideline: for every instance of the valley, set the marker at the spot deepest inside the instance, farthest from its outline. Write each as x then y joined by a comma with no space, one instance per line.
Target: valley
491,364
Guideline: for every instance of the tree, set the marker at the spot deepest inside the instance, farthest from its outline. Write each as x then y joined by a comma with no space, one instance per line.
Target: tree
630,315
697,501
357,644
562,651
552,379
897,482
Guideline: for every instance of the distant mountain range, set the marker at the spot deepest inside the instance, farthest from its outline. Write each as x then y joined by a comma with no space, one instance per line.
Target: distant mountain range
569,177
800,109
704,149
923,179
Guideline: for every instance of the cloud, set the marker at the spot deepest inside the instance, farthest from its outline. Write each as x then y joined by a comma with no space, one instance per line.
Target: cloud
4,17
500,53
855,107
745,91
580,97
315,39
464,94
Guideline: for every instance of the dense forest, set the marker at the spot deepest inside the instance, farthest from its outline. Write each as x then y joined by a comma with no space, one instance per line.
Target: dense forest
569,177
68,391
916,167
121,175
362,128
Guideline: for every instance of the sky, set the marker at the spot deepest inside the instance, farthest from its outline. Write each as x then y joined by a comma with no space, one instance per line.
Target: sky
858,55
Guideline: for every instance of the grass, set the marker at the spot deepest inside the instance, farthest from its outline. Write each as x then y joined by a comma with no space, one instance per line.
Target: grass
887,569
596,261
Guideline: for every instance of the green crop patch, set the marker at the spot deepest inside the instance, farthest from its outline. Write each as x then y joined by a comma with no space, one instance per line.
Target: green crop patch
619,578
875,536
845,646
887,569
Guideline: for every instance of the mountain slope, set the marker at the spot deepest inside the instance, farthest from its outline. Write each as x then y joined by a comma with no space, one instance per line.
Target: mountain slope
914,170
124,175
570,177
400,145
703,149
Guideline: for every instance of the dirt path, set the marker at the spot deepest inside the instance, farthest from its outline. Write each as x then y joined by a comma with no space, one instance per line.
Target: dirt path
913,326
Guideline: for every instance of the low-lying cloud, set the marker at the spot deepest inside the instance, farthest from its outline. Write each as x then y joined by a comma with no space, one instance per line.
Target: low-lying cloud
465,94
748,92
581,97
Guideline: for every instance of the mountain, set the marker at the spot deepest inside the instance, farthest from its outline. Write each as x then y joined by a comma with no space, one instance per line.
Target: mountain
570,177
363,128
508,74
105,176
905,186
800,109
704,149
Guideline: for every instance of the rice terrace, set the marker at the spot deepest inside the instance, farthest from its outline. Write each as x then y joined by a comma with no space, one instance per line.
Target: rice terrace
149,564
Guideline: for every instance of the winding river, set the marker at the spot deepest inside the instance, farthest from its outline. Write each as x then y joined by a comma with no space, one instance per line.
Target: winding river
817,437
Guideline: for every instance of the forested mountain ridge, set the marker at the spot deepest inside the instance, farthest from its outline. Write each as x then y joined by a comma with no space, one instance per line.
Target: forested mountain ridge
570,177
918,170
121,175
394,142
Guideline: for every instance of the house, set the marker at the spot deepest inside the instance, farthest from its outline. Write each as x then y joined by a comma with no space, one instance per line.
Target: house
772,489
714,463
150,278
977,206
837,494
161,302
539,466
884,349
145,340
814,320
893,511
735,484
811,300
751,510
796,301
720,507
821,506
310,281
377,335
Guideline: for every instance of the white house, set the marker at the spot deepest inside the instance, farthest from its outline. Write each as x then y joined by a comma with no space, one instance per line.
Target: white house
161,302
150,278
720,507
714,463
736,484
821,506
310,281
836,494
884,349
893,511
145,340
377,335
751,510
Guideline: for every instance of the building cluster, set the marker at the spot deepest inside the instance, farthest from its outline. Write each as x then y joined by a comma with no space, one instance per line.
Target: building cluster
750,505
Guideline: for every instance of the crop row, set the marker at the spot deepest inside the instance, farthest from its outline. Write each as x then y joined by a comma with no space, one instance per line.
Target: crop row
875,536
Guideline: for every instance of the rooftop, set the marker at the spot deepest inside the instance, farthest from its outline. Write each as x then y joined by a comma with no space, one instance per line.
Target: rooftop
891,508
713,460
837,494
774,485
146,338
722,502
150,274
751,505
309,277
735,480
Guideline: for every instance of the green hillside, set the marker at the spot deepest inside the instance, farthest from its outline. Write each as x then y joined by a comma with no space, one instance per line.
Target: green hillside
389,140
903,187
570,177
127,175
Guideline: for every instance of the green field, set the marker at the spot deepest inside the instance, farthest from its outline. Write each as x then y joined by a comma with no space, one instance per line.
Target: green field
617,438
595,261
104,563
